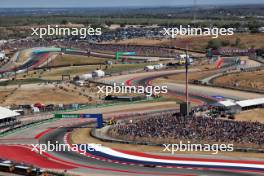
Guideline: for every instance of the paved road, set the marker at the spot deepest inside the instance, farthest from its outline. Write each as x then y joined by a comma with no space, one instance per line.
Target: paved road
203,93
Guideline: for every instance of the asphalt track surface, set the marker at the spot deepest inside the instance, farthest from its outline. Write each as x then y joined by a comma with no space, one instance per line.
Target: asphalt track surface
37,59
203,94
205,99
82,165
94,166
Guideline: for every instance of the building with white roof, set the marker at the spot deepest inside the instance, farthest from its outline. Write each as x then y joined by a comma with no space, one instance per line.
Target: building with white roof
252,103
2,55
7,115
227,103
237,106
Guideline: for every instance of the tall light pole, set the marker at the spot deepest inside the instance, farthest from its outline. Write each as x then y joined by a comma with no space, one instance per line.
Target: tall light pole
186,80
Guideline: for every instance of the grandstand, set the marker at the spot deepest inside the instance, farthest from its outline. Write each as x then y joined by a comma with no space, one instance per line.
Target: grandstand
171,128
251,104
7,117
237,106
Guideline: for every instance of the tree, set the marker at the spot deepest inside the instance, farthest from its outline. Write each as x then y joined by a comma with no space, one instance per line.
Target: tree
225,42
214,44
64,21
108,22
237,42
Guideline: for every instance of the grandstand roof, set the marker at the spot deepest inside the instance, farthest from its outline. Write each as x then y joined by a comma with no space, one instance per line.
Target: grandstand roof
251,102
226,103
2,55
6,113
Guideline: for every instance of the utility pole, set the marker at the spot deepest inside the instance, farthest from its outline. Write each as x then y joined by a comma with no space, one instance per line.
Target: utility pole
186,80
15,72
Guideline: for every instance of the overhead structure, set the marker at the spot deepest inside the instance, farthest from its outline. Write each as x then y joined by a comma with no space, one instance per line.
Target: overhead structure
226,103
118,54
7,113
2,56
247,104
237,106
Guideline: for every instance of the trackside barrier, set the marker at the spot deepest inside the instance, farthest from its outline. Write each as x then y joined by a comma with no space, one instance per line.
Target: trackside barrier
33,124
98,117
100,137
108,105
25,126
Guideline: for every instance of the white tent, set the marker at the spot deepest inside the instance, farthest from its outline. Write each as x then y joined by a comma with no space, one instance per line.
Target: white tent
7,113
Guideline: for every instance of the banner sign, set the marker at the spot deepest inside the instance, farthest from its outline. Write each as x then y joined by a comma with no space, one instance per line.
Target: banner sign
98,117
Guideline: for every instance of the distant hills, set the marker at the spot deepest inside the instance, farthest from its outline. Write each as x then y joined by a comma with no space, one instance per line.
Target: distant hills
168,12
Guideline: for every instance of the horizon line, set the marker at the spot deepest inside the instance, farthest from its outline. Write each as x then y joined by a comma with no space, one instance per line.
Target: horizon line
130,6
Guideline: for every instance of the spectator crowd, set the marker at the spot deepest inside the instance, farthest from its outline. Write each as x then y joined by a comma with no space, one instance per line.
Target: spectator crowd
94,43
194,129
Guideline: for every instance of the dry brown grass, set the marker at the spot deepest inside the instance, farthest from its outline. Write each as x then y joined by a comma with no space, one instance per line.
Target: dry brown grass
200,42
247,41
24,55
44,94
256,115
4,95
75,59
56,73
180,78
250,80
138,41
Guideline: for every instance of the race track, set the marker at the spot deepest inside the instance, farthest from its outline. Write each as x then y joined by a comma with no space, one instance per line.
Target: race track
55,132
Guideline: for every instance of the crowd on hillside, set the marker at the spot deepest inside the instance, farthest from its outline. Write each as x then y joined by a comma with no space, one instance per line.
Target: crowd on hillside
193,129
89,46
